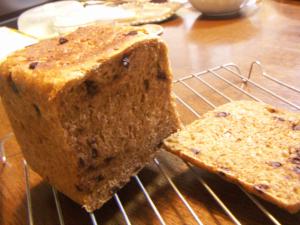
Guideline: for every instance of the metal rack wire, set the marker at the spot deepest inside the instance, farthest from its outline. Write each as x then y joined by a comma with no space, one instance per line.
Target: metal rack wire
215,72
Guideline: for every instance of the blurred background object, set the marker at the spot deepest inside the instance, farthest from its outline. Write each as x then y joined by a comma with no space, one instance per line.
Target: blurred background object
10,6
12,40
38,21
11,9
220,7
61,17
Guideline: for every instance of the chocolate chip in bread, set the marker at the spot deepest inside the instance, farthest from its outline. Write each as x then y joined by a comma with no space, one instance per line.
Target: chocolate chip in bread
89,109
249,143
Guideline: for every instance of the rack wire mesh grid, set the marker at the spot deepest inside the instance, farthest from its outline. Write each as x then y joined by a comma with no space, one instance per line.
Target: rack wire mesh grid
216,72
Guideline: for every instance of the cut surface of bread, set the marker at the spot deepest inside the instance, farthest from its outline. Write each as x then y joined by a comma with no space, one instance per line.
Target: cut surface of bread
89,109
249,143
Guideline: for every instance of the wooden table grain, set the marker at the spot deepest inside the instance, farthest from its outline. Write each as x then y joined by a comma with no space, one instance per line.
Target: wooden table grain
270,33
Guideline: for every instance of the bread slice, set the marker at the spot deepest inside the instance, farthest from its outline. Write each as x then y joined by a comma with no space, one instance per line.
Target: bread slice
90,108
249,143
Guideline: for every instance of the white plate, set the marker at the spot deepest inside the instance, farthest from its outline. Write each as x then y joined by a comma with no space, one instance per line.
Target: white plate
38,21
53,19
152,12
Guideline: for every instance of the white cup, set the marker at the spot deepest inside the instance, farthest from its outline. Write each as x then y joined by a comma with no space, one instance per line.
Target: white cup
218,7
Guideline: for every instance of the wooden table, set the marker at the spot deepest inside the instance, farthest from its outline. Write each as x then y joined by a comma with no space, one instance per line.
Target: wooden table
269,33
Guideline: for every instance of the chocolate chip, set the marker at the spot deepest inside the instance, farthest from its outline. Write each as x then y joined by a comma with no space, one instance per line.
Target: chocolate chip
33,65
116,77
272,110
125,61
78,188
297,151
279,118
79,130
260,188
222,173
109,159
62,40
225,168
297,169
160,144
131,33
296,127
222,114
158,1
91,168
295,160
12,84
81,163
94,153
99,178
146,85
37,109
92,88
195,151
274,164
161,75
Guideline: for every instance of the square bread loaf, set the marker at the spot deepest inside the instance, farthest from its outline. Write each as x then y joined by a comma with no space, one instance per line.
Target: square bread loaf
89,109
249,143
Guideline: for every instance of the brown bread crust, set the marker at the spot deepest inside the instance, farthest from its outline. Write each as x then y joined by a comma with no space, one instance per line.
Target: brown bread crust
89,109
248,143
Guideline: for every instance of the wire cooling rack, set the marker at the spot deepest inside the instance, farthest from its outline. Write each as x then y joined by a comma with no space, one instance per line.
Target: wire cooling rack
231,75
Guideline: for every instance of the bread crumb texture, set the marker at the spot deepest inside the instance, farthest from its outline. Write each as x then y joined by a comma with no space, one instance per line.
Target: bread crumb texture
89,109
249,143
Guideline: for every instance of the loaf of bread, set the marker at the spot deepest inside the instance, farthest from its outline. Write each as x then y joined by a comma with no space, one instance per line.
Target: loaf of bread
89,109
249,143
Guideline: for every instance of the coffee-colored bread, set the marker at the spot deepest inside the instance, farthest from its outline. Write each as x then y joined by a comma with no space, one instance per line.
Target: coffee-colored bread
249,143
90,108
